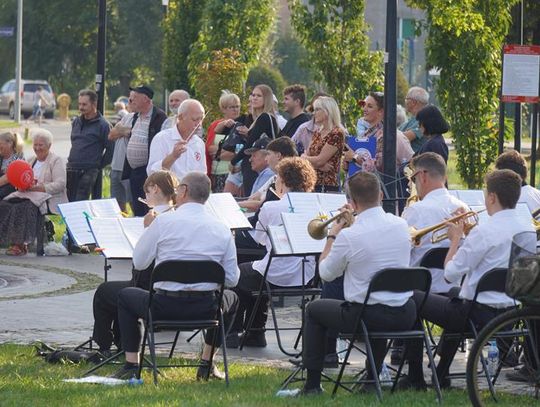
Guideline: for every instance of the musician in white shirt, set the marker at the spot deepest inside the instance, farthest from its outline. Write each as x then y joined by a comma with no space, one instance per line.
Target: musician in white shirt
375,241
436,204
487,246
513,160
178,149
189,233
293,174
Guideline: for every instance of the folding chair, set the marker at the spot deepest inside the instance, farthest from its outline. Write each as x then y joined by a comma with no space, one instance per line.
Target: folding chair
393,280
493,280
185,272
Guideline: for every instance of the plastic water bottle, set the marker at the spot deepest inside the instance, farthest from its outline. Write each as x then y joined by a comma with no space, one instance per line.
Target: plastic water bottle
288,393
341,349
384,376
493,358
135,382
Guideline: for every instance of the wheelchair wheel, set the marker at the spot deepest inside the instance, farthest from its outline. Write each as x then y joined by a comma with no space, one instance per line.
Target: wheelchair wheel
515,332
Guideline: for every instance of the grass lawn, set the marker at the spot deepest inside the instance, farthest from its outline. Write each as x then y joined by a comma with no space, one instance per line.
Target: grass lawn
8,124
26,380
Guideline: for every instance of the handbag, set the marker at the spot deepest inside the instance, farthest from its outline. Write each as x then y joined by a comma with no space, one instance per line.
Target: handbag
234,138
523,280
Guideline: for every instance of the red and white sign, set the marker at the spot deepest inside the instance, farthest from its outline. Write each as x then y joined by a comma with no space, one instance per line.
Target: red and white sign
521,74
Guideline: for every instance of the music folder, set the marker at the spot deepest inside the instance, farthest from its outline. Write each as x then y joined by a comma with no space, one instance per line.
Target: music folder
315,204
116,237
295,225
225,208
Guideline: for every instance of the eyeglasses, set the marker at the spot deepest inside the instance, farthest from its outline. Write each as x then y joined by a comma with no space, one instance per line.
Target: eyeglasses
235,107
413,177
318,109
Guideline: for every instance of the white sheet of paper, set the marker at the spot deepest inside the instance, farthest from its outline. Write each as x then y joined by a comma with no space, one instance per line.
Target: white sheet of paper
332,202
278,238
109,381
304,202
110,237
299,238
472,197
105,208
133,229
483,216
226,209
73,214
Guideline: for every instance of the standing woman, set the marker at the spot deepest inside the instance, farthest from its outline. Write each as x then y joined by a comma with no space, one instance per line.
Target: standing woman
264,122
433,125
11,147
327,144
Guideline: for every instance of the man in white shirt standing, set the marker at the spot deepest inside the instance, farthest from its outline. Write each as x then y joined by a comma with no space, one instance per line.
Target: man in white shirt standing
375,241
178,149
486,247
513,160
201,238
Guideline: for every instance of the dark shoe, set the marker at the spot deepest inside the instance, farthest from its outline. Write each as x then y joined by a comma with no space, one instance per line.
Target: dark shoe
255,340
126,372
522,375
407,384
206,372
232,341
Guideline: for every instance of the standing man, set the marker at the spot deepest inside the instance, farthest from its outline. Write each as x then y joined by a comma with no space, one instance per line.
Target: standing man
176,97
294,99
90,148
146,123
179,149
417,98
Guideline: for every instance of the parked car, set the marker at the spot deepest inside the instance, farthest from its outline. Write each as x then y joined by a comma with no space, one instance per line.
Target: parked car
29,87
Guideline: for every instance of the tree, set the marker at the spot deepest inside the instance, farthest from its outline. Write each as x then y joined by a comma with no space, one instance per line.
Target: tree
241,25
180,31
264,74
334,33
291,58
464,42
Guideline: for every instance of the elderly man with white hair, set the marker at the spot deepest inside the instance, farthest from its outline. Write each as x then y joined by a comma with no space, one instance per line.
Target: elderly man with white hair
417,98
179,149
176,97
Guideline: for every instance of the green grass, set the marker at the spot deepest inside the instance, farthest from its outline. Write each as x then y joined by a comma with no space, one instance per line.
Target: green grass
26,380
8,124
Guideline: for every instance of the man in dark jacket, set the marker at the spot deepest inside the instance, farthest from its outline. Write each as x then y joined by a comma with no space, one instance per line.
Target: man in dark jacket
90,148
146,124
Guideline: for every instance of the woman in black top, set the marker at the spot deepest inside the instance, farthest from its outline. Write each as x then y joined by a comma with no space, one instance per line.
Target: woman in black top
433,124
264,122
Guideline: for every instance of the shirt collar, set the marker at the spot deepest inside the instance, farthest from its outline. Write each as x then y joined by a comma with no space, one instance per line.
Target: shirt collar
190,207
503,214
370,213
437,193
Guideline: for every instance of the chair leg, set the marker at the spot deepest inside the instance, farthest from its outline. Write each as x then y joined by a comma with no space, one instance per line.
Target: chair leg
152,347
103,363
143,348
224,349
174,344
433,369
247,327
340,374
371,360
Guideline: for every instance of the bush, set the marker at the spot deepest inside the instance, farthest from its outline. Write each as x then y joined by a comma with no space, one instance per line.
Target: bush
267,75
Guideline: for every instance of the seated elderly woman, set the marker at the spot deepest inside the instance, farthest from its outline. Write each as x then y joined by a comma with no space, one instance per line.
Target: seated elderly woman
11,146
19,211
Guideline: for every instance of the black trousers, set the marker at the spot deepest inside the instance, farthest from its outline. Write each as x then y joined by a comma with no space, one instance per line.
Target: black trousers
80,183
328,314
243,240
449,313
250,280
137,177
105,306
133,304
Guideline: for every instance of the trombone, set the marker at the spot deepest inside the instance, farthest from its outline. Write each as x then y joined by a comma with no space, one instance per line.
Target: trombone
317,228
439,230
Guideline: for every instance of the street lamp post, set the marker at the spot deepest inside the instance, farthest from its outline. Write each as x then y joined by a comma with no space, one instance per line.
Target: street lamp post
101,51
18,63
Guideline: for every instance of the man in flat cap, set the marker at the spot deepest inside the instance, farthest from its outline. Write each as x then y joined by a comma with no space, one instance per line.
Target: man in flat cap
146,123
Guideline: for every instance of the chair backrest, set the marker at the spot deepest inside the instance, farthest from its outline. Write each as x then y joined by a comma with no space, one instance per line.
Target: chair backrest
493,280
434,258
400,280
189,272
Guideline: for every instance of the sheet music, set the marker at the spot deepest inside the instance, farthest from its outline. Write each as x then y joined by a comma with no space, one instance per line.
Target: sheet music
472,197
305,202
133,229
299,238
331,202
73,214
278,238
110,237
226,209
454,192
105,208
483,216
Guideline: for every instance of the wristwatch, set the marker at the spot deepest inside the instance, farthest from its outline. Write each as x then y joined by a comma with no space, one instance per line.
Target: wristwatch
331,237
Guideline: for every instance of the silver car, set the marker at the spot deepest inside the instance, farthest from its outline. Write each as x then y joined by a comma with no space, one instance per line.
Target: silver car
29,87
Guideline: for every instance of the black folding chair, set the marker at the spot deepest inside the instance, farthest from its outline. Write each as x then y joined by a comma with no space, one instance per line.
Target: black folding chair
396,280
185,272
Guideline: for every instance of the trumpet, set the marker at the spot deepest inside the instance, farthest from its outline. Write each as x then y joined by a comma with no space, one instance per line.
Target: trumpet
440,229
317,228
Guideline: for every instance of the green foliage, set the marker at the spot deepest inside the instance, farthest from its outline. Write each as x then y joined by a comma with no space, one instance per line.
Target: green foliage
402,86
291,58
240,25
464,42
180,31
267,75
334,33
225,71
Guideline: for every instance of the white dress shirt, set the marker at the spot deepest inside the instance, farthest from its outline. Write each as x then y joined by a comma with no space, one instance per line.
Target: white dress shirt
188,233
436,206
193,159
283,271
486,247
531,196
375,241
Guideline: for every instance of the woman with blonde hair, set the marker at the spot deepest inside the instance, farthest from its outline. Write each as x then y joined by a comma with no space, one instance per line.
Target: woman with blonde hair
11,149
264,122
327,144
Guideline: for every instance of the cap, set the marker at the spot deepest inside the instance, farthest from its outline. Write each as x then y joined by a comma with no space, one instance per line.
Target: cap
260,144
145,90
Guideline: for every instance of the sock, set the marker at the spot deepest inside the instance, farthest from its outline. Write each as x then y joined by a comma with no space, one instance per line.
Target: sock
313,379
